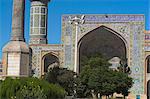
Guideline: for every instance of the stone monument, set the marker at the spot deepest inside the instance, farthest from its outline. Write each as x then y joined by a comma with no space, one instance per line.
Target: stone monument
16,51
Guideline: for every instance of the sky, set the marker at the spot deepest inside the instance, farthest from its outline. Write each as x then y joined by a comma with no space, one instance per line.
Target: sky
56,8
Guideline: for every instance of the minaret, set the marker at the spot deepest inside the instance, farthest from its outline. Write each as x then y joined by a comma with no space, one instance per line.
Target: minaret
16,51
38,21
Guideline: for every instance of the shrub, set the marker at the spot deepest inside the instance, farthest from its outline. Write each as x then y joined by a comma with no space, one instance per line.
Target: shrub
29,88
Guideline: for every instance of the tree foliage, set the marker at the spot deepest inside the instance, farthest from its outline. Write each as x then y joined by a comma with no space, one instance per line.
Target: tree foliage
29,88
124,67
96,77
62,77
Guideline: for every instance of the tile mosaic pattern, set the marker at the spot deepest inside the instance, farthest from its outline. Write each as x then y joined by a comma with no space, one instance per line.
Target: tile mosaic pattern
38,51
129,27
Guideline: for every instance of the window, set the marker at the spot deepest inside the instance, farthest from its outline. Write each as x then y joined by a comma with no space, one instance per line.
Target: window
32,10
36,31
1,67
36,20
42,31
31,31
42,20
36,10
43,10
31,21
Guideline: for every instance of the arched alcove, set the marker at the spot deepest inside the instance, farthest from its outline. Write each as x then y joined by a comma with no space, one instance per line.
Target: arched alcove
48,61
102,40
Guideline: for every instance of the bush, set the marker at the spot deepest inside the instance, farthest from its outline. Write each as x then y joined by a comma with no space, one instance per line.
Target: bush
29,88
62,77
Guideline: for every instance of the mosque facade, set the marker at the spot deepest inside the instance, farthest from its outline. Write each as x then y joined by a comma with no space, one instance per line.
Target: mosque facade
116,36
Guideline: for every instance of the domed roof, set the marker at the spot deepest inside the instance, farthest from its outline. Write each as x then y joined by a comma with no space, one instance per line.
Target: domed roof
16,46
114,60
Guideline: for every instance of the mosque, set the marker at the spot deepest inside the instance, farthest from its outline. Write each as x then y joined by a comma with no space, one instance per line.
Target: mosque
117,36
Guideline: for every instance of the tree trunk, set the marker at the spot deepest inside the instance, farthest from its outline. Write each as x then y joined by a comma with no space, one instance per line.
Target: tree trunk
93,94
124,96
111,96
106,97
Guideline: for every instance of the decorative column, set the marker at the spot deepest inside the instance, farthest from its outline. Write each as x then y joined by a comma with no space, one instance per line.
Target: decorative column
38,21
16,52
77,20
18,20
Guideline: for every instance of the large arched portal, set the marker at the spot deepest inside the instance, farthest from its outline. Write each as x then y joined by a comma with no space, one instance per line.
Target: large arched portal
102,40
48,61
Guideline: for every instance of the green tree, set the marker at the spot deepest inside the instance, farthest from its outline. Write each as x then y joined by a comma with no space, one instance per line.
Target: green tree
29,88
94,61
123,83
93,70
62,77
124,67
96,77
82,89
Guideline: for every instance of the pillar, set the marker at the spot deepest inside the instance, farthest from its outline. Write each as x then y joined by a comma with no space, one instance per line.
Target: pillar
18,20
15,57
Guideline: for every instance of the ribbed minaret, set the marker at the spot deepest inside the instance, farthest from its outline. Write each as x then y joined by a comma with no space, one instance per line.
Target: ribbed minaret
16,51
38,21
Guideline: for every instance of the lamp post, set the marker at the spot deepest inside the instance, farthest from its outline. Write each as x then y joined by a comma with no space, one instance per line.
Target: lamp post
77,20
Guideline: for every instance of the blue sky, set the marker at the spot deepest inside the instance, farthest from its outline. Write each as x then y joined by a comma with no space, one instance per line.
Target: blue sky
59,7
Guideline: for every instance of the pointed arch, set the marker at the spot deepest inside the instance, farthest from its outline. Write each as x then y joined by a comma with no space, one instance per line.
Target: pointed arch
102,40
107,28
48,61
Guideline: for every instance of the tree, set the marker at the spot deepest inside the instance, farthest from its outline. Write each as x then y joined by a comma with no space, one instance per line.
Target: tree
29,88
82,89
94,61
123,83
91,75
100,81
62,77
96,77
124,67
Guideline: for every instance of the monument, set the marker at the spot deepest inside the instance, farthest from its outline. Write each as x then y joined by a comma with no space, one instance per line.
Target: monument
115,36
16,51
